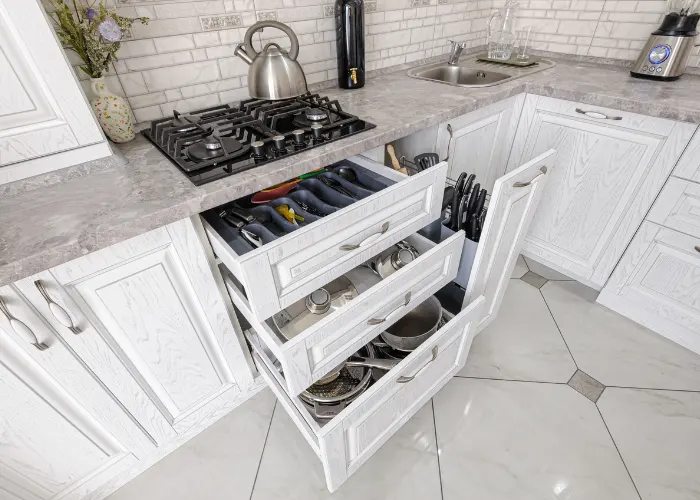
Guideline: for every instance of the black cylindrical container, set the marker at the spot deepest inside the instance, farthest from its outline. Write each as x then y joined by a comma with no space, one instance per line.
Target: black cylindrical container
350,26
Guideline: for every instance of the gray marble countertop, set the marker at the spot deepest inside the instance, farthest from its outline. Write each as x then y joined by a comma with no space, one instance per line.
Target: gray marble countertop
54,218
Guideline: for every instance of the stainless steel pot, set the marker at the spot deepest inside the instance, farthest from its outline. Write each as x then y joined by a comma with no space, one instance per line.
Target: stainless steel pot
274,73
415,327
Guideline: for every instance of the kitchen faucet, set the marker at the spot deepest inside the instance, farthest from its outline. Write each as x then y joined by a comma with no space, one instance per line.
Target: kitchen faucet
457,48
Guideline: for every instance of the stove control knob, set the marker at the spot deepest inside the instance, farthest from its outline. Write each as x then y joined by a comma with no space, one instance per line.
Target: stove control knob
316,128
280,143
299,139
258,149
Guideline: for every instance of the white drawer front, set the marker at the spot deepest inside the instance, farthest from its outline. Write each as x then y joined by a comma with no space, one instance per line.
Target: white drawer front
678,207
688,166
356,433
310,355
289,268
657,284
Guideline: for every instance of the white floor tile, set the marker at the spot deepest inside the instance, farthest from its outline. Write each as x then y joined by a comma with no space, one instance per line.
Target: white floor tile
520,268
501,440
658,435
522,343
544,271
219,463
405,468
614,350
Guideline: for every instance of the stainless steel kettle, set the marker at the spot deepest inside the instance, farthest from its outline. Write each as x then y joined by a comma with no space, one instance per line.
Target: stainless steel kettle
274,73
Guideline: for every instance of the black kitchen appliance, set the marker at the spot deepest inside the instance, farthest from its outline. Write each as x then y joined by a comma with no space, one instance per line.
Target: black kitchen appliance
350,39
216,142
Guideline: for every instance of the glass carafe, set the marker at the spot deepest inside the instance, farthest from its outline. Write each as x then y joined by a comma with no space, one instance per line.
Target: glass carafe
501,34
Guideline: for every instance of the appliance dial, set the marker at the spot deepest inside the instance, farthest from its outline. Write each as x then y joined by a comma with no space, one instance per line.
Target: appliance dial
659,54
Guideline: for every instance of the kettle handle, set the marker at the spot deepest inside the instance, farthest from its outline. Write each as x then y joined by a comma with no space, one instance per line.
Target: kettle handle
247,41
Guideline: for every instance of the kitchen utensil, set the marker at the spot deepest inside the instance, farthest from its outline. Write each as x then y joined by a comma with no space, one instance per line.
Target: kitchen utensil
480,202
523,43
462,211
230,220
274,73
333,184
500,33
426,160
459,185
240,214
252,238
468,184
666,53
472,201
394,160
289,214
415,327
350,175
304,313
350,43
471,227
388,262
274,191
447,197
310,203
363,278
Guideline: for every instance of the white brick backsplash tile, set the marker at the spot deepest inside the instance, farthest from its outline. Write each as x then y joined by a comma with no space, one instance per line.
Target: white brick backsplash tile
148,11
220,52
604,42
183,75
566,14
384,28
272,4
242,5
143,101
633,31
635,17
166,27
597,51
232,67
562,4
187,9
147,114
190,104
133,84
577,27
231,37
394,39
312,78
199,55
604,29
234,96
301,27
206,39
316,52
300,14
135,48
158,61
174,43
209,88
120,67
623,53
657,6
589,16
394,15
173,95
220,22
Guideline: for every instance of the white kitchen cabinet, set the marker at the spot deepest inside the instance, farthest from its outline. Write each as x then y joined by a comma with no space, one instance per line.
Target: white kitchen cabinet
45,121
63,435
610,167
148,318
688,166
479,142
345,437
657,284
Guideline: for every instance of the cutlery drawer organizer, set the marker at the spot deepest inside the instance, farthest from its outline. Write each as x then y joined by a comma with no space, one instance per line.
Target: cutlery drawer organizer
313,353
345,441
288,267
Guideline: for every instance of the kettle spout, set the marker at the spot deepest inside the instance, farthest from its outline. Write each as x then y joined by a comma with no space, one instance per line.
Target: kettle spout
240,52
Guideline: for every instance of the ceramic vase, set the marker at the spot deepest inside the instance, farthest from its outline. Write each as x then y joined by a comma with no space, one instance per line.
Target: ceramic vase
112,111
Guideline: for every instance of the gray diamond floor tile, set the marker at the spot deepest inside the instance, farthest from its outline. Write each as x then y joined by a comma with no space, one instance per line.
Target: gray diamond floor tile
534,279
544,271
520,268
584,384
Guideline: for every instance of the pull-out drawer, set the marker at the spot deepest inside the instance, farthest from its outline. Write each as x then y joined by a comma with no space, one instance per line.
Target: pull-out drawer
347,440
678,207
309,356
290,267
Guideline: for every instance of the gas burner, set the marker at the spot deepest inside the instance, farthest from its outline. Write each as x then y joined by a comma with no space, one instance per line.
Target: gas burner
215,142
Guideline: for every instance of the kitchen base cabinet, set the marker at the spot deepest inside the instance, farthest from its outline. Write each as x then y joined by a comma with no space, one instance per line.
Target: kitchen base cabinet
345,436
657,284
479,142
147,317
610,167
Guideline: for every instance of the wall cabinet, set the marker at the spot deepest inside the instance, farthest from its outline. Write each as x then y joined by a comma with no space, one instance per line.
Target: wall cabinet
479,142
42,108
62,435
610,166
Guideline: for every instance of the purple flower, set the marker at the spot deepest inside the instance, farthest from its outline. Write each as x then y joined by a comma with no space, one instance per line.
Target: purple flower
109,30
91,14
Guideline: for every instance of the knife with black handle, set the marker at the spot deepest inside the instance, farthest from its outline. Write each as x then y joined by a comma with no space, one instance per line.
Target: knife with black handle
461,212
454,225
472,201
468,184
480,202
471,229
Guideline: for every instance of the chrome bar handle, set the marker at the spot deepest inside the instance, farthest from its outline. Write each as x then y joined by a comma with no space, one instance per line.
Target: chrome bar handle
378,321
21,328
525,184
403,380
58,312
597,115
371,237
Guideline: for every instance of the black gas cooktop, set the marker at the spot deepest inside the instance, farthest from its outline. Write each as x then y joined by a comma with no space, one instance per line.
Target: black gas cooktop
223,140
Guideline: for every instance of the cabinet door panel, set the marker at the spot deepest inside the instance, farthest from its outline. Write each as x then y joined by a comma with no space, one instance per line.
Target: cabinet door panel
479,142
49,445
602,184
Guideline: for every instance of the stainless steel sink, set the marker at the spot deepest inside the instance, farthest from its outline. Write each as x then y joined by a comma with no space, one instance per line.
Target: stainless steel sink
473,74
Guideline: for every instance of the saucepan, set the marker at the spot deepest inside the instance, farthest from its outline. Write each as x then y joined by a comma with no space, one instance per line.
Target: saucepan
415,328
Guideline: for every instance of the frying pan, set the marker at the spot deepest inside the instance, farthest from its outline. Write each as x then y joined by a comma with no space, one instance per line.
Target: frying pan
416,327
